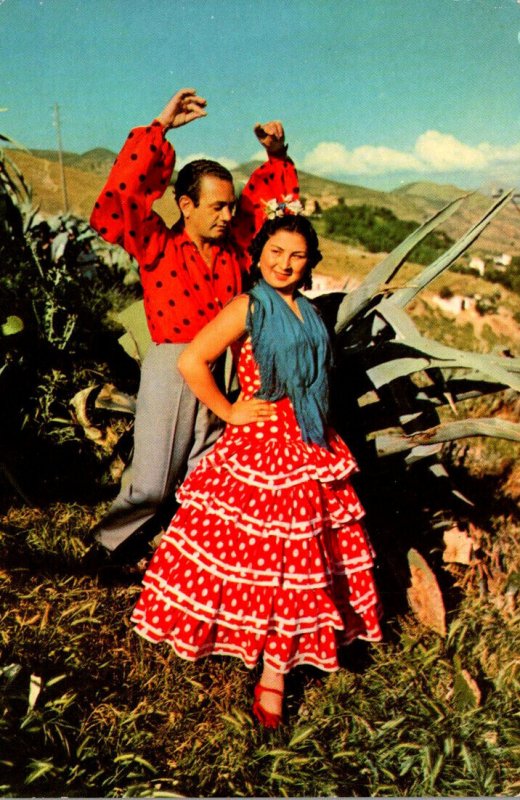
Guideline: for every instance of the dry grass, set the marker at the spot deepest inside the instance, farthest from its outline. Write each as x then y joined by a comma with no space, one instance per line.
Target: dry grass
116,716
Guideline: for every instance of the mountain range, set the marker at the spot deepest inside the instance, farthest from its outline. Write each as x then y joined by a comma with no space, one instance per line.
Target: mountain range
85,174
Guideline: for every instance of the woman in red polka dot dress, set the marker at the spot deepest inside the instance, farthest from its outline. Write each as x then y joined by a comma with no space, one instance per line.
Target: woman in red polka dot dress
266,557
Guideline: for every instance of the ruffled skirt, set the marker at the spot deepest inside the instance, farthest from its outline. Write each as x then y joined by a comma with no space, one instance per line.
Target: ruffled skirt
266,556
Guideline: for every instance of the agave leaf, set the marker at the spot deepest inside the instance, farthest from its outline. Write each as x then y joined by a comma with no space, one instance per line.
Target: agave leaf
459,387
382,374
137,340
376,416
424,595
20,177
407,293
31,216
390,443
421,451
16,144
111,399
357,300
426,353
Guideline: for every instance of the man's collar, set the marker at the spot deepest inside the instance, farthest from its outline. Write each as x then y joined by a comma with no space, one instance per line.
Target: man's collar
186,240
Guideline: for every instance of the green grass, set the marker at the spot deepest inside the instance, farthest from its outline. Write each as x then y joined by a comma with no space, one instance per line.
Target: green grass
117,716
431,322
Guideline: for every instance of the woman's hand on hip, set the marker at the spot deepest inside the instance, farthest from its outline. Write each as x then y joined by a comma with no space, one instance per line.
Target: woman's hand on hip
244,412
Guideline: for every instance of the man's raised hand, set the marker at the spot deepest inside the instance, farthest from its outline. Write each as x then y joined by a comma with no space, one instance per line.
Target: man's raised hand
271,136
184,107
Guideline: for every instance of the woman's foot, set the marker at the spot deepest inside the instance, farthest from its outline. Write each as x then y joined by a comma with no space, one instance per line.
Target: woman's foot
268,719
267,705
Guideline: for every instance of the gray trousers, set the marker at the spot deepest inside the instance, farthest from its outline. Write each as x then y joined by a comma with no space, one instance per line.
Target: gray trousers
172,432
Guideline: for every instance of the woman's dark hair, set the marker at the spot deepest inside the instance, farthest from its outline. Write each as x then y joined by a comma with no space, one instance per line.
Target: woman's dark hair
190,177
293,223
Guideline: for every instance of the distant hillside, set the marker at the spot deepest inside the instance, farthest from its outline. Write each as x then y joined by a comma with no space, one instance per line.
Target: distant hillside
98,160
500,236
418,201
85,175
433,191
43,175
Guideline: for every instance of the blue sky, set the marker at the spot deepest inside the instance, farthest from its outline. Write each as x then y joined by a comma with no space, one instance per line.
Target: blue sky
374,92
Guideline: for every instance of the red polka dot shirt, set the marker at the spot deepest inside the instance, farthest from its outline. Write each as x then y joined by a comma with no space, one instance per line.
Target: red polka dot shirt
181,293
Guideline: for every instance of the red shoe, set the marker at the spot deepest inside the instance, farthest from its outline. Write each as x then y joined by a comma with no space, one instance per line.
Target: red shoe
265,718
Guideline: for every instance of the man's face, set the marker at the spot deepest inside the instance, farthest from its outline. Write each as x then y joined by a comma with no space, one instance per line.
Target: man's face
210,219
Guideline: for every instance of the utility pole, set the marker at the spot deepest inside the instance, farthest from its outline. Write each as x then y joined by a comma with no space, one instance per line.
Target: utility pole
60,157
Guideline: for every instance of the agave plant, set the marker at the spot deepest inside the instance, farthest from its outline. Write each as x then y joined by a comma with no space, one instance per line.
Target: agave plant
373,328
389,384
53,306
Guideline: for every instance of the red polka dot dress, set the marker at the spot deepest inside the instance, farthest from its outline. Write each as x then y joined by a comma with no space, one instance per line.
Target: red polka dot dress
266,556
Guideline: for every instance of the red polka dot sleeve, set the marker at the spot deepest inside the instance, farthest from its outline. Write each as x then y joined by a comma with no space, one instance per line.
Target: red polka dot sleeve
123,211
276,178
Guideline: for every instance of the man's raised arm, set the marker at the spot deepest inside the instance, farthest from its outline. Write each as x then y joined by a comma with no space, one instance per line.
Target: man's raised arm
185,106
123,211
274,180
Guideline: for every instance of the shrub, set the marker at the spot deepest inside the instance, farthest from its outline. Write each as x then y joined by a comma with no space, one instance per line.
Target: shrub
379,230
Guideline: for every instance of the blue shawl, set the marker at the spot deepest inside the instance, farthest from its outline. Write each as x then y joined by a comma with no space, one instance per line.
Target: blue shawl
293,357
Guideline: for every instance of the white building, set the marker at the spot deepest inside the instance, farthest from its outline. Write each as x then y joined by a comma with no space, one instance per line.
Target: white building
478,264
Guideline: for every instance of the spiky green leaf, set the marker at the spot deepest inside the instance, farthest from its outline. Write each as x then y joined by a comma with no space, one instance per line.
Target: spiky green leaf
421,353
390,443
357,300
403,296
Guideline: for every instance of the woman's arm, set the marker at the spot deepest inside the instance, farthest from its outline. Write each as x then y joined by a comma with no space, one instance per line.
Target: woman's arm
196,360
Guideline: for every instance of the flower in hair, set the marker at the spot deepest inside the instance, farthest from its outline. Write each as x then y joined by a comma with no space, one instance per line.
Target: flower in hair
287,206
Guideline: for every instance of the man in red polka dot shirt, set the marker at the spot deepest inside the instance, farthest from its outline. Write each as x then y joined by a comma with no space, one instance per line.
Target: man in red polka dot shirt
188,273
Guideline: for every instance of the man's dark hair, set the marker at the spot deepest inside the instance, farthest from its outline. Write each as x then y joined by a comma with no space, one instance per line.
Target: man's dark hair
294,223
190,177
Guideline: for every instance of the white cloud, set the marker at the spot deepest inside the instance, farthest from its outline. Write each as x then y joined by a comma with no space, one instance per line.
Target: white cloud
333,157
500,155
229,163
433,152
442,152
